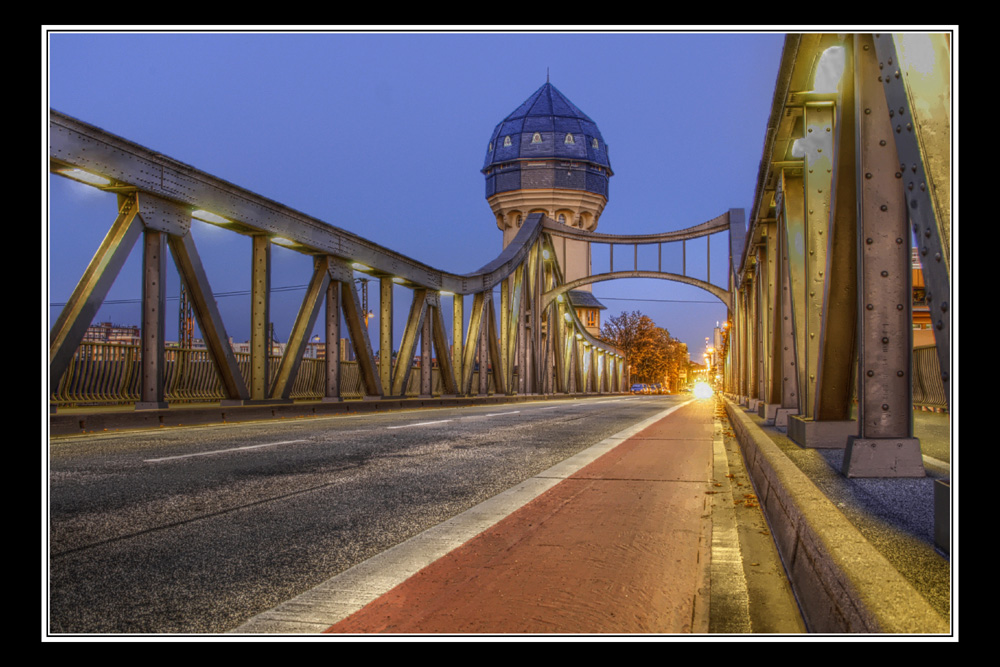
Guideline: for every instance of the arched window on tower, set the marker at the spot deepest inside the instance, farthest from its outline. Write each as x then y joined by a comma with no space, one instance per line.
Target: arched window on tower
594,142
506,141
568,139
562,218
536,138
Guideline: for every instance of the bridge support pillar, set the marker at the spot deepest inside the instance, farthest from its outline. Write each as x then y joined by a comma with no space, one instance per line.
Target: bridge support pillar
820,434
767,411
782,415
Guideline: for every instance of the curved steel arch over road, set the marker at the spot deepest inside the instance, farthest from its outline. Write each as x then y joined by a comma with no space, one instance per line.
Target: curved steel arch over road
856,165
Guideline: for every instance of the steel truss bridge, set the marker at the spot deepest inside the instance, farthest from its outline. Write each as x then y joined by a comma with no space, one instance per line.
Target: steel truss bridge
536,332
851,175
819,290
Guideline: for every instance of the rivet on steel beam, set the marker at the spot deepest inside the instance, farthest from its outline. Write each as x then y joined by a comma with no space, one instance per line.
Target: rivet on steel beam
884,207
881,142
937,257
923,251
889,61
867,111
885,340
891,113
899,306
909,127
940,325
927,232
899,373
909,185
899,241
885,406
929,296
899,128
865,47
899,175
923,187
944,307
896,73
868,241
868,174
913,167
885,274
870,307
871,373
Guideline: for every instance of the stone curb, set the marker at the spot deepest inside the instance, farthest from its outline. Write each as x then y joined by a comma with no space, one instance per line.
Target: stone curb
843,584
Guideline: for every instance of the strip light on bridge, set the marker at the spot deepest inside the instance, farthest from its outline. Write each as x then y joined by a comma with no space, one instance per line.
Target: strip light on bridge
85,177
208,216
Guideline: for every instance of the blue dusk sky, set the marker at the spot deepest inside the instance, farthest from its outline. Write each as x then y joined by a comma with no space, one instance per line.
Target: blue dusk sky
383,134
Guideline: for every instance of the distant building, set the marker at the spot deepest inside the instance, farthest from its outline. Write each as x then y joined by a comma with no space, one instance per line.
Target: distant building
548,157
106,332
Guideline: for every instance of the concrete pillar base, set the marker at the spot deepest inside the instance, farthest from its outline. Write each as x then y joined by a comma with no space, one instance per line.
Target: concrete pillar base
752,404
820,434
782,415
767,411
883,457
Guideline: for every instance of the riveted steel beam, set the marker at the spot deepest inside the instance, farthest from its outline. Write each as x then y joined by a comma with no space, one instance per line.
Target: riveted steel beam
260,317
457,344
332,346
385,330
291,360
885,446
70,327
472,341
445,369
154,299
192,272
916,79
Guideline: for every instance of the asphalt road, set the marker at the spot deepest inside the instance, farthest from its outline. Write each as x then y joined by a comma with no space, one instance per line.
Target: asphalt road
194,530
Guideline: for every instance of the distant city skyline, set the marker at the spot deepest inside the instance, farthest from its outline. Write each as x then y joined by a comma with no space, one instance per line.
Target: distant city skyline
383,134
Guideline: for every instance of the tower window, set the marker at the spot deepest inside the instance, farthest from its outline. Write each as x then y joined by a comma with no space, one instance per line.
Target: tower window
490,149
536,138
568,139
562,218
506,141
594,142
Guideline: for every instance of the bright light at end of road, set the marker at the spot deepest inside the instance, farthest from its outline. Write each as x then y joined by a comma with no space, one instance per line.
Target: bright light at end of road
702,390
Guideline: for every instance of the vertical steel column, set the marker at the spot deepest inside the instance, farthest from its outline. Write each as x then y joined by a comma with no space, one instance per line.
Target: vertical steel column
385,332
817,178
794,239
785,332
885,446
154,285
772,333
484,353
457,344
332,349
472,342
260,307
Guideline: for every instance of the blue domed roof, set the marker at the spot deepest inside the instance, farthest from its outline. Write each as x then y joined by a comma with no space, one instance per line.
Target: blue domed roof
563,131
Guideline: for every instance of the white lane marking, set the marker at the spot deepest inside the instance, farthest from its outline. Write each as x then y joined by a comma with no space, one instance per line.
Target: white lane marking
498,414
225,451
440,421
554,407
